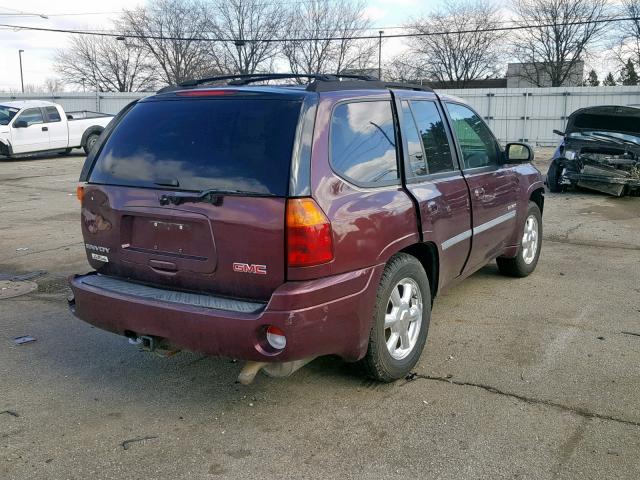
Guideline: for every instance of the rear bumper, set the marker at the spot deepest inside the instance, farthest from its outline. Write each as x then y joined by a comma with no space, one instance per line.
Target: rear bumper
327,316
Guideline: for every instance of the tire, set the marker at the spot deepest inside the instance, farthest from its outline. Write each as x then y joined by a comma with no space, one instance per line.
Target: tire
401,272
90,142
553,177
524,263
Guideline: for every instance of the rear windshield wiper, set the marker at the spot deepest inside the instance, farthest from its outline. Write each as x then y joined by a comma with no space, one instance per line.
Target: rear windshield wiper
212,195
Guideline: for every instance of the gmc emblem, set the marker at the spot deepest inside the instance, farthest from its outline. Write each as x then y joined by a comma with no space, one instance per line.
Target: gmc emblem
246,268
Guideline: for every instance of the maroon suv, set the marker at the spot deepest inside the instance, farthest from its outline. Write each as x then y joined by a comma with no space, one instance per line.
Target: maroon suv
278,223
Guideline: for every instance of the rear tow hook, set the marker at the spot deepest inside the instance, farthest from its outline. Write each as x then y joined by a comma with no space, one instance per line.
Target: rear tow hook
152,344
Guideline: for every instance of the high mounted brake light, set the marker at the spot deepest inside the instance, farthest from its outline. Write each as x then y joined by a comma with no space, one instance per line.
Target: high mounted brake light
205,93
309,237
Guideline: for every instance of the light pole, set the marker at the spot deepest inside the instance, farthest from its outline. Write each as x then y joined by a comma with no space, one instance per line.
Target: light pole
239,44
21,77
380,54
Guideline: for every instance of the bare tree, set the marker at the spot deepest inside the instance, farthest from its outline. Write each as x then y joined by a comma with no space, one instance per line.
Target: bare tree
458,57
627,45
52,85
402,68
312,23
105,65
171,32
245,26
552,43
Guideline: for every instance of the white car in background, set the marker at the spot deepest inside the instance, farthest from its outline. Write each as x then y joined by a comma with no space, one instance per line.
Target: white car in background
36,126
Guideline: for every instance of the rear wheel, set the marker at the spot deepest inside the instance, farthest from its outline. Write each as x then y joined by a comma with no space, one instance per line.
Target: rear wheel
401,320
529,250
90,142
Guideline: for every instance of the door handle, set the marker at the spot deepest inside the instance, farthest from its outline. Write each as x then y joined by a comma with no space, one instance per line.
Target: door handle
165,267
478,192
45,129
432,207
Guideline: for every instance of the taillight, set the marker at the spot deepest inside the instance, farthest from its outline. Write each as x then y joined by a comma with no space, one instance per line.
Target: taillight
309,238
80,193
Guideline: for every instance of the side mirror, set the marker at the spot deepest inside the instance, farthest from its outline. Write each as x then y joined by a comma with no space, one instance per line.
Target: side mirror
518,153
558,132
20,124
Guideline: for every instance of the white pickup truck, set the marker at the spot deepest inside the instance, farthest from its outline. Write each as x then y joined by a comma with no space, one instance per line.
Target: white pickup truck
35,126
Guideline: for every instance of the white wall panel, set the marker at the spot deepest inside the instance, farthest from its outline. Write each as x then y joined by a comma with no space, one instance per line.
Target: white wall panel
513,113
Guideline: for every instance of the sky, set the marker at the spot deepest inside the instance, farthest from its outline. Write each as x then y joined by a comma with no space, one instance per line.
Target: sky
40,47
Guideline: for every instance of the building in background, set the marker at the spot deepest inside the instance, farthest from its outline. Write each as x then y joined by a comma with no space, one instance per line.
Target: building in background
520,75
480,83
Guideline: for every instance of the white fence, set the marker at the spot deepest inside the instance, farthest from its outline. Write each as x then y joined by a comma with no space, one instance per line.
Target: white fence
524,114
531,114
96,102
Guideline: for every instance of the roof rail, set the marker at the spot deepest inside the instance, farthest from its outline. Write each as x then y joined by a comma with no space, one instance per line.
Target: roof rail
320,82
360,84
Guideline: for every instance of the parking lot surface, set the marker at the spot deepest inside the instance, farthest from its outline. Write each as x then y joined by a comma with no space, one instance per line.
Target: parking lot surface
536,378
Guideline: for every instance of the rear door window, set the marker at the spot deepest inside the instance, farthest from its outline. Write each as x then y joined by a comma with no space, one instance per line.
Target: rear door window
52,114
196,144
363,144
417,164
434,137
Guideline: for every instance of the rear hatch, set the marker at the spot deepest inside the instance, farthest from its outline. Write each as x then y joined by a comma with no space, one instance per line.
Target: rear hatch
189,192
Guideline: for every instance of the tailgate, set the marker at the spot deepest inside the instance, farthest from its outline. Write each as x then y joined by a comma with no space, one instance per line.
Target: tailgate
230,244
234,248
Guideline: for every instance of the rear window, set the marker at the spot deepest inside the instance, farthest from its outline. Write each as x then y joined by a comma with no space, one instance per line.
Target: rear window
231,144
52,113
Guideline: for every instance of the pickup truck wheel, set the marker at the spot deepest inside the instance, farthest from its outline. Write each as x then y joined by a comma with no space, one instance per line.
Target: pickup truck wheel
529,251
90,142
401,320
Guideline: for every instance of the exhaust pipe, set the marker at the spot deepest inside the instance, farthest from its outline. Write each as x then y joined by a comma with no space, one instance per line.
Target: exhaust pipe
274,370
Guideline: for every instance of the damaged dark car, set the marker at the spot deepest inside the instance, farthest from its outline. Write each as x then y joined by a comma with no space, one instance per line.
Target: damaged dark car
600,151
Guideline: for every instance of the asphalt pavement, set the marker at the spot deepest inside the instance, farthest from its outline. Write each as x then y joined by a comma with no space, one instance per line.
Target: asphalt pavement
536,378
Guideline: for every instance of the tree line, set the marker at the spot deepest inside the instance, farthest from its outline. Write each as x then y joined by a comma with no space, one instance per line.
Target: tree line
166,42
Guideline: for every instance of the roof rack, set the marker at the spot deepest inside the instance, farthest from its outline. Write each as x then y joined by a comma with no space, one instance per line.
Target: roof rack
320,82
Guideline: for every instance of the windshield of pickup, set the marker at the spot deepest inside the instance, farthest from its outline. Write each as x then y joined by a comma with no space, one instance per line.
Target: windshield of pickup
7,113
240,143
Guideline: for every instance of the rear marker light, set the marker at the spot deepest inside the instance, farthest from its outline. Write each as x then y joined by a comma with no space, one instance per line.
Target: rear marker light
276,338
309,236
80,193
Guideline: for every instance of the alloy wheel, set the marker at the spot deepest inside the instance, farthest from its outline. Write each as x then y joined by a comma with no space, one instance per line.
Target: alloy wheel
403,318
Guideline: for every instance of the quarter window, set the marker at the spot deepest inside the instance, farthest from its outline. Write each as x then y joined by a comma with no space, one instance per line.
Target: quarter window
363,144
31,116
434,137
52,114
479,148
